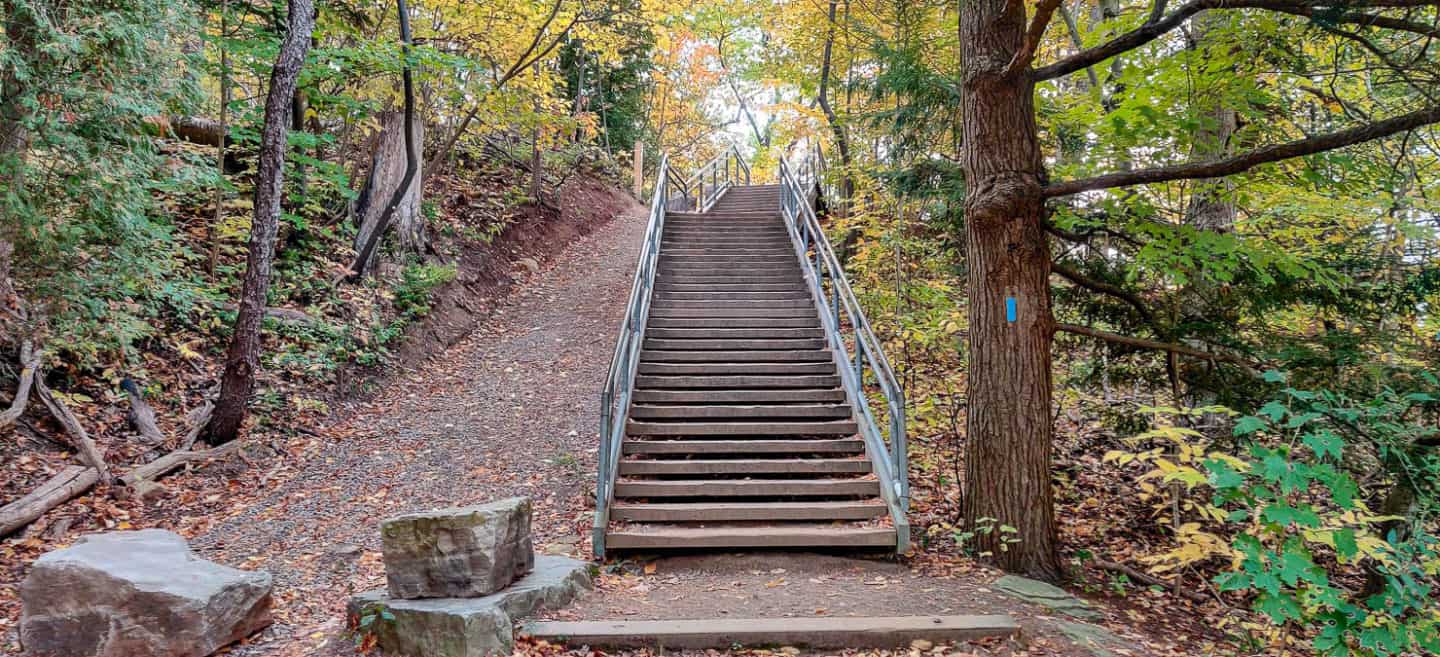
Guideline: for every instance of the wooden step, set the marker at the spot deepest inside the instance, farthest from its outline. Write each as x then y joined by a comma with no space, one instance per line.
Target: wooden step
653,537
738,428
733,333
647,381
825,632
756,411
748,488
751,356
737,396
711,369
726,313
796,294
729,304
712,447
703,288
749,322
748,511
735,344
744,467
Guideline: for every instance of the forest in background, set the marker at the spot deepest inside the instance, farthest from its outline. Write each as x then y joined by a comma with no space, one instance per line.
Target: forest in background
1244,401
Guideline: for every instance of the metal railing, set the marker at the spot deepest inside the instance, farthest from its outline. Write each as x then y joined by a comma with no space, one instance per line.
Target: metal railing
700,191
620,383
862,362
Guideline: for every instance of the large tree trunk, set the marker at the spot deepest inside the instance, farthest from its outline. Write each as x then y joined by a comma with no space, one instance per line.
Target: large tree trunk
1009,443
387,171
243,357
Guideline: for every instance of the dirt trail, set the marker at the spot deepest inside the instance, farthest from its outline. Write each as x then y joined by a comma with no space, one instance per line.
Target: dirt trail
510,410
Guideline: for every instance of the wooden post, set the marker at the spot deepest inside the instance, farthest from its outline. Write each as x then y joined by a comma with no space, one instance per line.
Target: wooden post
639,161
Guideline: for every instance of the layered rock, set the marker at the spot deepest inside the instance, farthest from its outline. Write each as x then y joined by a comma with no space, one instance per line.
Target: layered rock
458,553
137,594
467,627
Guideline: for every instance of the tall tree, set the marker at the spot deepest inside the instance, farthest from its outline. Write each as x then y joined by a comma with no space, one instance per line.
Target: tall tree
243,356
1008,473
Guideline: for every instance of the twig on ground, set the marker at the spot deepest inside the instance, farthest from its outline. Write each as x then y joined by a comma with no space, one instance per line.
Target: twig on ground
89,452
1149,580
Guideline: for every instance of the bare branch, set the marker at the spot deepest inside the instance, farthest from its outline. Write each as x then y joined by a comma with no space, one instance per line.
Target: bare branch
1026,54
1154,28
1103,288
1153,344
29,365
1245,161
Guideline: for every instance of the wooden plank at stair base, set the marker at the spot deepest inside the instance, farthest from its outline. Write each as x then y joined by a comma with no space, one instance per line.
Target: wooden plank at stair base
822,428
755,356
827,411
632,468
704,288
648,381
786,536
734,334
820,632
721,396
744,369
748,488
748,511
701,447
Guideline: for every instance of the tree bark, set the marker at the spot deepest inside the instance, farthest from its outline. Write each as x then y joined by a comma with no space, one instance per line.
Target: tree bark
1009,445
243,356
141,416
387,171
411,148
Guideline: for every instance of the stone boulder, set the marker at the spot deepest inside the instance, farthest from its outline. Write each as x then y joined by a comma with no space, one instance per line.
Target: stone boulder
137,594
467,627
458,553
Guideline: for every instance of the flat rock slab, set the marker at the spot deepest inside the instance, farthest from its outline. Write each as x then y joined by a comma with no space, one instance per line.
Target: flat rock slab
138,594
1045,595
1097,640
458,553
723,633
467,627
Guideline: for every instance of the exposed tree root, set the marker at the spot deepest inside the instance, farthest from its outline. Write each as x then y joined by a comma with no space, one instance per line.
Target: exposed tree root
29,365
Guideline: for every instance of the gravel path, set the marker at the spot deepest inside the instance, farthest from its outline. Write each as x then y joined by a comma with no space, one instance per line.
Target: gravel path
511,410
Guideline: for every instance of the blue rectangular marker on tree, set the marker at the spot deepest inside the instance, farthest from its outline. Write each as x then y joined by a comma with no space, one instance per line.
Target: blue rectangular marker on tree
1011,309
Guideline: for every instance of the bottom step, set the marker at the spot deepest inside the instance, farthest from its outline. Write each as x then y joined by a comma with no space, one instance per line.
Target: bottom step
722,633
786,536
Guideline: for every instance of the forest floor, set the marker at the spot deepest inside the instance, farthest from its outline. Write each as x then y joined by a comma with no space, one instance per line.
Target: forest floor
511,410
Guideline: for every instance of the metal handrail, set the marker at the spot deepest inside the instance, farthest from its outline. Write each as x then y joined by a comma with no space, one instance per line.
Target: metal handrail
711,180
819,263
624,363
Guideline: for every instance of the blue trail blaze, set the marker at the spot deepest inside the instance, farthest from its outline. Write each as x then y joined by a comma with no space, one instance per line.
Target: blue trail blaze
1011,309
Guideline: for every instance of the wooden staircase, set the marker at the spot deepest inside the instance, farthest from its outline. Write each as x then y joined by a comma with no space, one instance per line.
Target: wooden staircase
738,432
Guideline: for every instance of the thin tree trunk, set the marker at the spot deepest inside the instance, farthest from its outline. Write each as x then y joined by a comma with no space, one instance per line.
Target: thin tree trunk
842,143
412,155
214,236
243,356
536,163
1008,453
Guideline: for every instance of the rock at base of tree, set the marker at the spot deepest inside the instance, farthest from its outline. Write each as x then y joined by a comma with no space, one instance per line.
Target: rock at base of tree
1045,595
467,627
138,594
458,553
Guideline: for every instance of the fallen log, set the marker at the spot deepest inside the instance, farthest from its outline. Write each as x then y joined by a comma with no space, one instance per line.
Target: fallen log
89,452
165,464
29,365
56,490
1149,580
284,315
